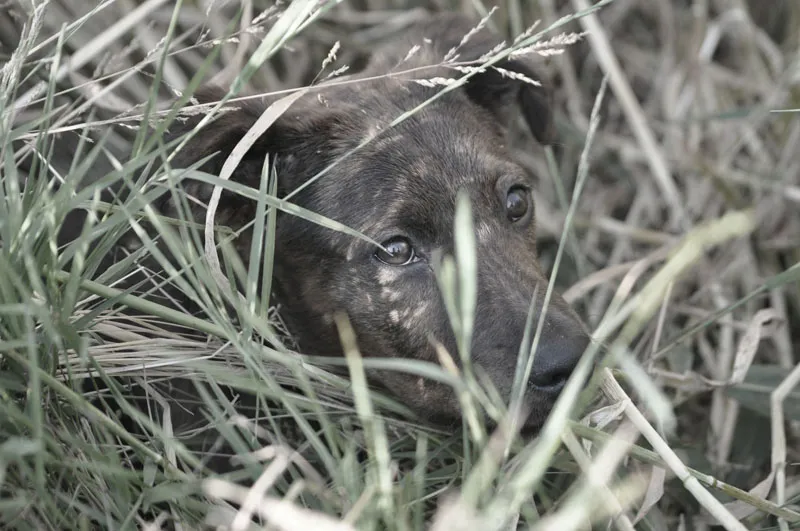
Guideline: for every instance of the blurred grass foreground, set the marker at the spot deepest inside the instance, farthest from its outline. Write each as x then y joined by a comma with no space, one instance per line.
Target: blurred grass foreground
670,212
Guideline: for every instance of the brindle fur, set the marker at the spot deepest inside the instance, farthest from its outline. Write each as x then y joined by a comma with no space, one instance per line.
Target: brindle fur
404,182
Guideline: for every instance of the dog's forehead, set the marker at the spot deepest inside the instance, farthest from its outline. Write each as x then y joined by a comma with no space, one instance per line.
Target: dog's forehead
434,149
449,141
409,171
409,175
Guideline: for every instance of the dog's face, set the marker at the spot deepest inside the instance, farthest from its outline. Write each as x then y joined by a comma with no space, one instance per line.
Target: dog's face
400,189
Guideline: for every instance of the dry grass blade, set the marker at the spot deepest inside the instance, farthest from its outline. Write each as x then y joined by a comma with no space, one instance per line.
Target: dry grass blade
779,436
742,509
634,113
641,307
373,423
280,514
644,305
654,493
748,345
703,497
258,491
648,456
267,118
621,520
93,49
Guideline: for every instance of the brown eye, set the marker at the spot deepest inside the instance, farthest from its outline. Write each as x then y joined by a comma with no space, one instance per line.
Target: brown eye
517,203
398,252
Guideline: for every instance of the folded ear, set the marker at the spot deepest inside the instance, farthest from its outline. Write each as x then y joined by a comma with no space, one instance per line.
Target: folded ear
295,139
500,89
510,83
218,138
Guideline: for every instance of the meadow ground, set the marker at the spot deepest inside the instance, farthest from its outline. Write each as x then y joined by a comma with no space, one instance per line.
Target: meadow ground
670,211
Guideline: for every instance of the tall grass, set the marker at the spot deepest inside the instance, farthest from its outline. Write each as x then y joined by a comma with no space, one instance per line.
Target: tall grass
307,441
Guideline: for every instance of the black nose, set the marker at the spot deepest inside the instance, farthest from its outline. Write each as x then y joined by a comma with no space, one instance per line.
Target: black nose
555,360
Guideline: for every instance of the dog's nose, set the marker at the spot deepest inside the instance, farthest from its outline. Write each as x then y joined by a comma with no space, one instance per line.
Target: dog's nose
555,360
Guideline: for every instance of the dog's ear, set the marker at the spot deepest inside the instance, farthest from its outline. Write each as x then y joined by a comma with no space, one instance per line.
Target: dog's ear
219,136
511,83
505,85
300,134
502,88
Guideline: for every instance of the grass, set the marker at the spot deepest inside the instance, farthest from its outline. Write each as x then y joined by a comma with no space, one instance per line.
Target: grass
676,183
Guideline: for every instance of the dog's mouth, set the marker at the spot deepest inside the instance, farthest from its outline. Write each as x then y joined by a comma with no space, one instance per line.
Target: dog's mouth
528,432
551,383
537,406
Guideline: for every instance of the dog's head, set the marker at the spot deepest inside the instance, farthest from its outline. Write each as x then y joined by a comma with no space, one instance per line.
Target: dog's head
400,189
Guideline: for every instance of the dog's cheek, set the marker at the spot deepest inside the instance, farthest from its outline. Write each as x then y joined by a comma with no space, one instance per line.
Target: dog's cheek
350,291
412,309
393,310
432,401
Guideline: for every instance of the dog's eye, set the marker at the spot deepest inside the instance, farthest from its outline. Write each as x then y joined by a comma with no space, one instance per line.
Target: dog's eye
517,203
399,252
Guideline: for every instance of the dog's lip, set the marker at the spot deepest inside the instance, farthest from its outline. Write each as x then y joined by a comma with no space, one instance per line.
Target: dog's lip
529,431
551,389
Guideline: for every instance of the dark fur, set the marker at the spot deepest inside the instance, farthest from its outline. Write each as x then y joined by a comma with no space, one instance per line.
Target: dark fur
404,182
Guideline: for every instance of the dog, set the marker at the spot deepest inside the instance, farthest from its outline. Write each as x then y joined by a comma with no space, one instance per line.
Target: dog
400,189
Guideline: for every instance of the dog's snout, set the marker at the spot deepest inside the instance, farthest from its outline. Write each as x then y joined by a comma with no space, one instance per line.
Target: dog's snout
502,332
555,360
